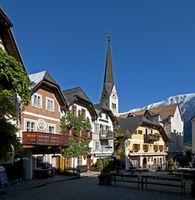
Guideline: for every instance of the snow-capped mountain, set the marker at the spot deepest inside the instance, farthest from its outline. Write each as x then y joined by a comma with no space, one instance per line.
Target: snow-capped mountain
187,106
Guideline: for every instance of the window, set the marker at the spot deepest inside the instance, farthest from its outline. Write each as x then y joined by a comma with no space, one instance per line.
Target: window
83,113
113,106
49,104
96,127
51,129
110,143
139,131
146,131
30,126
74,110
37,100
96,146
79,113
79,161
106,116
136,147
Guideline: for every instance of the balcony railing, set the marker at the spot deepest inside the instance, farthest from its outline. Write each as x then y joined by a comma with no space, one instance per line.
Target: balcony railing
47,139
151,138
81,136
106,135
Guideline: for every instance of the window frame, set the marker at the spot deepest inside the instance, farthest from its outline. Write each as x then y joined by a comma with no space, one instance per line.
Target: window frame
46,106
31,121
32,100
51,125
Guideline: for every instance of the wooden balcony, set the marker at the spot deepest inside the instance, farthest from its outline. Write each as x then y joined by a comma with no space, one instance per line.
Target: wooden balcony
44,139
85,136
82,136
151,138
106,135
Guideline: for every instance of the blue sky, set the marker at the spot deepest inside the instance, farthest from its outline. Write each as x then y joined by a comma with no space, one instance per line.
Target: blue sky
153,45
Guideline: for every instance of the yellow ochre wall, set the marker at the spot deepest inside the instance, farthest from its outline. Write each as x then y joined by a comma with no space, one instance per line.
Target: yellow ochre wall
138,138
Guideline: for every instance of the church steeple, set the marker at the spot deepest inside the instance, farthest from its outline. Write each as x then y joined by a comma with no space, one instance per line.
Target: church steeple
108,76
109,97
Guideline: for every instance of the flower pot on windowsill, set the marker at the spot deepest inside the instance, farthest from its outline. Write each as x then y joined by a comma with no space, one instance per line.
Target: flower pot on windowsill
105,179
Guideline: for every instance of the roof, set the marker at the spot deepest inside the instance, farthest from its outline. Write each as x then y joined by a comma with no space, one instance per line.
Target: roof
7,37
45,79
130,124
5,18
70,94
163,111
108,76
76,94
99,109
36,78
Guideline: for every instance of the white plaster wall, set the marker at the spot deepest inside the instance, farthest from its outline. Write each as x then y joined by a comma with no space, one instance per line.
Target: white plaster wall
1,44
74,161
102,151
176,122
177,126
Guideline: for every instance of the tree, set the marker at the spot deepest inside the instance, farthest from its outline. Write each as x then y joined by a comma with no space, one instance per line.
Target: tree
119,145
13,81
77,147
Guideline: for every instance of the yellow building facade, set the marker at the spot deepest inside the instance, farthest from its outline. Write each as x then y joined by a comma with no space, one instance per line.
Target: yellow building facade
146,147
145,142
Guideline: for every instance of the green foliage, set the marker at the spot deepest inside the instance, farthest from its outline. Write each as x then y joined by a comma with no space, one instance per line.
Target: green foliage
76,147
7,107
106,165
13,73
101,164
13,80
7,138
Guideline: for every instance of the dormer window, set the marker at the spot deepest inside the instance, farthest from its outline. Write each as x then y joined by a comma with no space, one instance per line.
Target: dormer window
49,104
37,100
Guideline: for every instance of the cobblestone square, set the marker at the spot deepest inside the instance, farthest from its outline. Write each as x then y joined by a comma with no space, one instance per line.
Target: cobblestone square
87,188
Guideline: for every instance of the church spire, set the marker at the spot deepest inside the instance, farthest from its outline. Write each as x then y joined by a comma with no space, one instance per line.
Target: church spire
108,76
109,97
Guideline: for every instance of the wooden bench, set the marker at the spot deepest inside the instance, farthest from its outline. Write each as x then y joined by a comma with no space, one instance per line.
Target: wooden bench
132,178
169,181
72,171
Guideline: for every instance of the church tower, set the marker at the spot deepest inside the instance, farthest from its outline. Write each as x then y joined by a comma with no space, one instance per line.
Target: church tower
109,98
